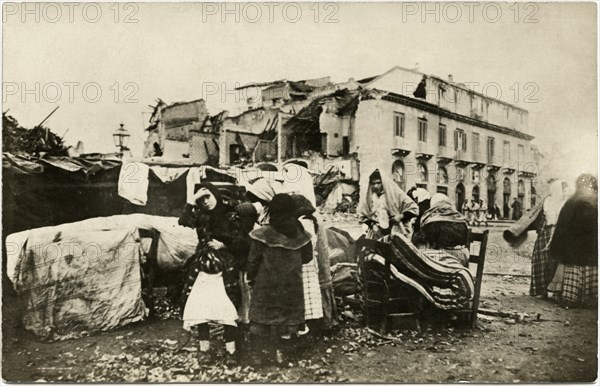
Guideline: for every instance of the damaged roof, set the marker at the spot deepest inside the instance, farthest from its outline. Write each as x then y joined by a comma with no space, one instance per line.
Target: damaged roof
307,119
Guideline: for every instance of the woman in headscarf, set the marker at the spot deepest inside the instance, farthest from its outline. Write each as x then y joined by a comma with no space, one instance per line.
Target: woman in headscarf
211,291
423,200
277,253
542,266
443,233
386,209
260,192
575,245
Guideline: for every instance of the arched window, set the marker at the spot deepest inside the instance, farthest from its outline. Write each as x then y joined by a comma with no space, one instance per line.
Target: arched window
476,193
442,176
507,188
398,173
521,188
423,175
533,194
491,182
521,192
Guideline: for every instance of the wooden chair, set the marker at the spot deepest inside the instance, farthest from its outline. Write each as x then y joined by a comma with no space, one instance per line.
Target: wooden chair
377,291
476,256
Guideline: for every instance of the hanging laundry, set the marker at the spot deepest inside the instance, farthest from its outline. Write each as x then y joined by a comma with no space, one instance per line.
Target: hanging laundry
133,182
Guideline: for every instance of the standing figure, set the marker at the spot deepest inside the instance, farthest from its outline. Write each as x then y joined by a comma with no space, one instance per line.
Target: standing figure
542,266
386,208
466,210
277,253
483,212
211,291
575,245
516,209
475,212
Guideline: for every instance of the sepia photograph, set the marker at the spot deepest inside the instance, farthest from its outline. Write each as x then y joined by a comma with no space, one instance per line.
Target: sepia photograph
299,192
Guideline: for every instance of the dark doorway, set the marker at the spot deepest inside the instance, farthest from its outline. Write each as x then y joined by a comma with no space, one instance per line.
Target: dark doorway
506,198
460,196
491,191
476,193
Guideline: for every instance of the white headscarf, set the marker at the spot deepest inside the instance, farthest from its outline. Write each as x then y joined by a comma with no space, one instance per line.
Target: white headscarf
554,202
265,189
440,198
421,195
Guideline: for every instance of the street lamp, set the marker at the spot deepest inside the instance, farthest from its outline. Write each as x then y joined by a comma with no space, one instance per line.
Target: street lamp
121,137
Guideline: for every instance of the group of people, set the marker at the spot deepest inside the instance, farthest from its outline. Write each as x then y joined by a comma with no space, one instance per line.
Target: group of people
260,268
428,239
256,270
476,212
565,254
428,222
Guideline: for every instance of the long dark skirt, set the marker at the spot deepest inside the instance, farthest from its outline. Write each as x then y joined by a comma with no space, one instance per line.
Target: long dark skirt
542,266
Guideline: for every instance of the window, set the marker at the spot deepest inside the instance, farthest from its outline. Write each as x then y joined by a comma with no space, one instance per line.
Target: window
398,173
442,135
475,176
506,152
460,140
398,124
476,143
521,154
521,188
422,130
442,176
423,172
491,149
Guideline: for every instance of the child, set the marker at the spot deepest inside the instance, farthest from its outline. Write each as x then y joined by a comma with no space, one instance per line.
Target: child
211,290
277,253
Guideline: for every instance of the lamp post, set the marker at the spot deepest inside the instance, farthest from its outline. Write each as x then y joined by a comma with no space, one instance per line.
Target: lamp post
121,138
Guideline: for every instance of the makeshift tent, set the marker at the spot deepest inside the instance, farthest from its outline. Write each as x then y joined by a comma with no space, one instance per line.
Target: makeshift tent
86,276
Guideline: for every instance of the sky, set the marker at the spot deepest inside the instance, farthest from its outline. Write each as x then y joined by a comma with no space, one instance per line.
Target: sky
104,63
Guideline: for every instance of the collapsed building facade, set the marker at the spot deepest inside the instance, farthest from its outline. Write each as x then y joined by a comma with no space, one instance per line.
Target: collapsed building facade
423,130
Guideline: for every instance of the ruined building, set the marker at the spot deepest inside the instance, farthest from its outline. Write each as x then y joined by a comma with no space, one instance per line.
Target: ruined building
424,130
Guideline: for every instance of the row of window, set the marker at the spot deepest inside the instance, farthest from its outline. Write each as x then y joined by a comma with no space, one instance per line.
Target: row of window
442,176
460,138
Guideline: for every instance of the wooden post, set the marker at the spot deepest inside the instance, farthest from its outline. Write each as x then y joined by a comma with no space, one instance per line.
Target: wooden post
279,125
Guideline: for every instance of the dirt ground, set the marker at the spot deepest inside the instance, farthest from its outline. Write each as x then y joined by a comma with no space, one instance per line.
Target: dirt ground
545,344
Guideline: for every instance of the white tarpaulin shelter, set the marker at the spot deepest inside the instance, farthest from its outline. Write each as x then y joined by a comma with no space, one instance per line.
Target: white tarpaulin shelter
86,276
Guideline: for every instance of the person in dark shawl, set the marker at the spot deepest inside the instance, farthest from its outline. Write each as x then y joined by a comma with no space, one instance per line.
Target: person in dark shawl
443,232
211,276
277,253
575,245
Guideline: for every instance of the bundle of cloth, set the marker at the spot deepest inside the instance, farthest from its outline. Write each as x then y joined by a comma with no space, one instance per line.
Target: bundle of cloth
438,269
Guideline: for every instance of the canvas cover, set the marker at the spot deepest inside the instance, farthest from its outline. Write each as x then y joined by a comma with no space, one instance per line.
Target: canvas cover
70,281
86,276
